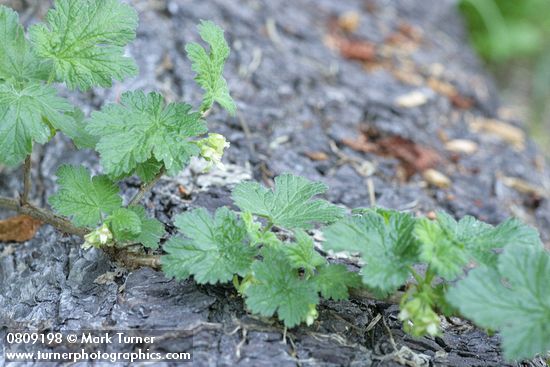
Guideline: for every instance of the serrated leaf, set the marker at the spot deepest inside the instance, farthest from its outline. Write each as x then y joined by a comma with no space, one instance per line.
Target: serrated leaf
386,245
84,198
28,115
125,224
142,128
290,204
448,245
148,170
334,281
85,39
209,66
17,61
75,128
444,255
513,297
301,254
213,250
256,234
151,229
278,289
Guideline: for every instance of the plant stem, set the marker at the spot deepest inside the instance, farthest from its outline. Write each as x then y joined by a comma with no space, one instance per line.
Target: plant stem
146,187
26,180
44,215
268,226
416,276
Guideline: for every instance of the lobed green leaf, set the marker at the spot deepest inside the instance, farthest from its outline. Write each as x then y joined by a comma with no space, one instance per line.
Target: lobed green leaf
448,245
18,62
302,255
290,204
84,198
141,132
385,243
29,114
84,40
278,289
151,229
209,66
213,250
513,297
334,281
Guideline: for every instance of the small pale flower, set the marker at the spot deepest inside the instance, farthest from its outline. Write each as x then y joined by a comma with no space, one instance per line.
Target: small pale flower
312,315
101,236
212,149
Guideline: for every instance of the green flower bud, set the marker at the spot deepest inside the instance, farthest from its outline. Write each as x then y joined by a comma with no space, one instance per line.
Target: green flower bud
101,236
212,149
419,318
312,314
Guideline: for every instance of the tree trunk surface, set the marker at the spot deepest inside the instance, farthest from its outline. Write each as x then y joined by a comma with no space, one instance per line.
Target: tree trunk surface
406,85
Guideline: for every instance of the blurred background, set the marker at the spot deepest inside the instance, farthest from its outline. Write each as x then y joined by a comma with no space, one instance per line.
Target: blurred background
513,38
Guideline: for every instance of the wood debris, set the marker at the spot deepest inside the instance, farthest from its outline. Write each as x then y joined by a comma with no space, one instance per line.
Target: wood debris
106,278
461,146
437,178
406,39
448,90
413,157
350,47
349,21
505,131
361,144
316,156
523,186
461,102
353,48
411,100
20,228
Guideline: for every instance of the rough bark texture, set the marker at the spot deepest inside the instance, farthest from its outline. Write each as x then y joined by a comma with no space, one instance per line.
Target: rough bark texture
298,101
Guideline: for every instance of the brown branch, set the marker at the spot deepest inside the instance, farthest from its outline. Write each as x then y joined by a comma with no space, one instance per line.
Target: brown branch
26,180
146,187
44,215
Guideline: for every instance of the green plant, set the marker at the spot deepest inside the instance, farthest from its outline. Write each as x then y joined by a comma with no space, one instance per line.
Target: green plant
81,44
274,276
508,290
265,249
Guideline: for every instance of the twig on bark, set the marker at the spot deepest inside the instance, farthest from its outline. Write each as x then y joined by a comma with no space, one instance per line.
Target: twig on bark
44,215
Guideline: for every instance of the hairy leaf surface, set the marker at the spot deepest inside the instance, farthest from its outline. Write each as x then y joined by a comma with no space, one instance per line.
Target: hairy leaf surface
513,297
302,255
28,115
85,39
386,244
84,198
448,245
334,281
290,204
277,289
17,61
209,66
213,249
142,130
